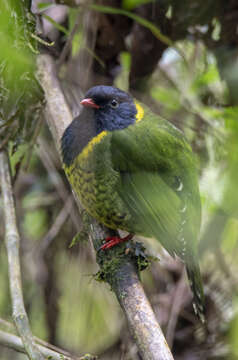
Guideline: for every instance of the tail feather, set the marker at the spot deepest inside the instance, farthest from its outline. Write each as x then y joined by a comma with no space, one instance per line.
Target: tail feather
195,282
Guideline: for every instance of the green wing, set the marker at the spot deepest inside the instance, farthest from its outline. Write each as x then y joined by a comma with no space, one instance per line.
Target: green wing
154,206
158,184
157,181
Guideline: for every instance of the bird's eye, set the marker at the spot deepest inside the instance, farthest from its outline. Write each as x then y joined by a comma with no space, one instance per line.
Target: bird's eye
114,104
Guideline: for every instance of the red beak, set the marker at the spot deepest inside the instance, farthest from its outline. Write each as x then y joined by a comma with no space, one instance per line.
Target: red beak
89,103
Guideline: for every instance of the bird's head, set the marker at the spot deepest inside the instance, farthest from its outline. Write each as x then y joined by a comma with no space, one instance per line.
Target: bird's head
105,108
113,108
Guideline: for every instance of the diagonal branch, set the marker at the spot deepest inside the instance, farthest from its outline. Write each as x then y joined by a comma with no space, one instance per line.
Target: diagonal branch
9,339
12,241
124,279
15,342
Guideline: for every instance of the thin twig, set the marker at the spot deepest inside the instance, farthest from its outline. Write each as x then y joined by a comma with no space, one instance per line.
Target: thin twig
69,40
15,342
125,282
47,349
6,139
12,241
175,310
56,226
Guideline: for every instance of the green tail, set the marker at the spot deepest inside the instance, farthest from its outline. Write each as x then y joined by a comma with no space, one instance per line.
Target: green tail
195,282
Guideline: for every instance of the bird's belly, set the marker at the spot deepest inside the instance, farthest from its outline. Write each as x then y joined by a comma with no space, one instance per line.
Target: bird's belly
99,196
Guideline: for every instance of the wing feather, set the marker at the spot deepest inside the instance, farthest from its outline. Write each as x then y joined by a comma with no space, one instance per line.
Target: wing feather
155,206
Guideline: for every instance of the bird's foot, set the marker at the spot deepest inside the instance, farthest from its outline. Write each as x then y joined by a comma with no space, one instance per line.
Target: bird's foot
114,240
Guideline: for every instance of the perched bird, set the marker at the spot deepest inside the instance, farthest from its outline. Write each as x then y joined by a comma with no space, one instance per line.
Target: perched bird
135,171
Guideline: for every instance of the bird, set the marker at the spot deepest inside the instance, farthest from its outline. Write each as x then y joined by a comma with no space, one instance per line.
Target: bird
135,171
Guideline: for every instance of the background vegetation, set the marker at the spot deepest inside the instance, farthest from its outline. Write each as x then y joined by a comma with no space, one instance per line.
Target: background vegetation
181,59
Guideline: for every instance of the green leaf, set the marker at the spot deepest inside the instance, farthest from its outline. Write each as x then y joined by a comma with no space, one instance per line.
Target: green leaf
17,62
131,4
208,77
44,6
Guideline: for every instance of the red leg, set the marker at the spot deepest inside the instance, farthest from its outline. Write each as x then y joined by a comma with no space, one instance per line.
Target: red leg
114,240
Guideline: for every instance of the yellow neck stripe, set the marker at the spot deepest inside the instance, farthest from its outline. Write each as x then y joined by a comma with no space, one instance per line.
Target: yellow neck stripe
88,148
140,112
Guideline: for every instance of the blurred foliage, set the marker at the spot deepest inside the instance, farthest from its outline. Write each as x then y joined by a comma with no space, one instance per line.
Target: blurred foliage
65,304
19,90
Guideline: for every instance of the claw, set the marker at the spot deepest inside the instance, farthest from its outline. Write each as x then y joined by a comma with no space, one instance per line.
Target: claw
114,240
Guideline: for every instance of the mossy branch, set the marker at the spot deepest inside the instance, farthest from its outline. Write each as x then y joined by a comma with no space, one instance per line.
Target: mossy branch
118,265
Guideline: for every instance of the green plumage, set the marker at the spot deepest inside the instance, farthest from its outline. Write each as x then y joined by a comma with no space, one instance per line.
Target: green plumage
141,178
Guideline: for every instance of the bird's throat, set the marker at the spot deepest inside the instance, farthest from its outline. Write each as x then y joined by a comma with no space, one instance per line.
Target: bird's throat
78,136
89,147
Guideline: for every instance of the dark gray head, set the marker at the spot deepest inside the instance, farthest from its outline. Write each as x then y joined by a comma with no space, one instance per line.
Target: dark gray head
114,109
104,108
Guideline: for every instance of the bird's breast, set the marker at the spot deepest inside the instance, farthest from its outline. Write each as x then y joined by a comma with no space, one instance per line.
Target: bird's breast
95,182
